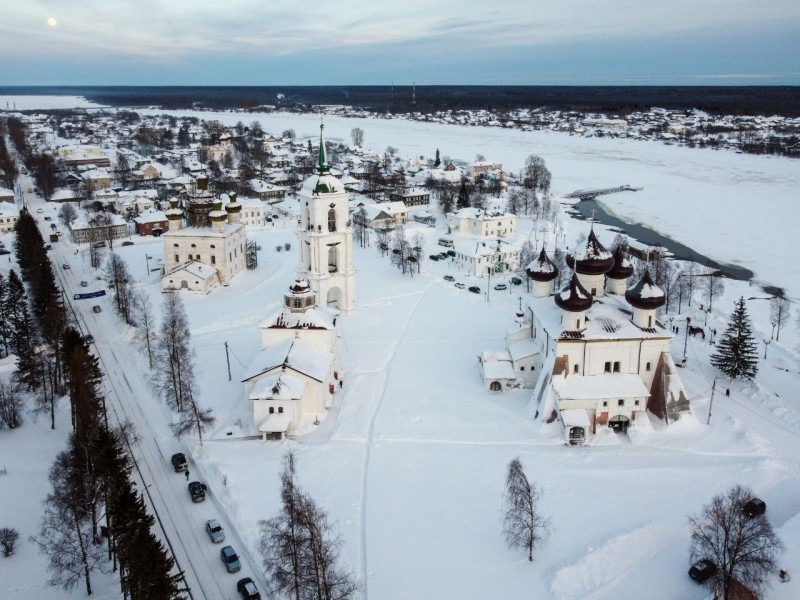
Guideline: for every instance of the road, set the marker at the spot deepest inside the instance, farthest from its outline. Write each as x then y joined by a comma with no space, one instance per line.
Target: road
129,398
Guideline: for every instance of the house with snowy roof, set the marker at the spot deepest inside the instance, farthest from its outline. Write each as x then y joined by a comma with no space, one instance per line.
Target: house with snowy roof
482,223
9,214
600,356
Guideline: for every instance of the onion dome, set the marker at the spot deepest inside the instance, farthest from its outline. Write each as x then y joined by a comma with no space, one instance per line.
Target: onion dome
217,215
574,297
542,269
233,205
594,260
622,268
645,294
300,296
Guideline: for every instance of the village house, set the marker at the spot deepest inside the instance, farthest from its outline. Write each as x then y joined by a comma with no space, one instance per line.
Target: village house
411,197
9,214
482,258
151,222
482,223
85,230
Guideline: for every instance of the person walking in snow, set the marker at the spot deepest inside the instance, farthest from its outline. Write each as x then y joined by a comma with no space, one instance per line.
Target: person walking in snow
187,474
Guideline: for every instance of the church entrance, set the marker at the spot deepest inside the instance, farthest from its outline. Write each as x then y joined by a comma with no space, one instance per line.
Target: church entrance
334,297
577,435
495,386
619,423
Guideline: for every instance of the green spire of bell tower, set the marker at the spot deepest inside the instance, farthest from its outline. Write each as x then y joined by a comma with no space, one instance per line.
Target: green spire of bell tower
322,164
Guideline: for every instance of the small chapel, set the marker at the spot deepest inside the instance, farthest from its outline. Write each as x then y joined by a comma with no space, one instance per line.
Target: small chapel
291,382
594,353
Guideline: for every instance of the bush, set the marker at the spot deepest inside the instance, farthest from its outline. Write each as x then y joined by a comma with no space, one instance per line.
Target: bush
8,539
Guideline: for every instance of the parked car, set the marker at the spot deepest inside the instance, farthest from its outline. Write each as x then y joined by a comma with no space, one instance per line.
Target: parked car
215,531
66,266
451,253
53,225
516,281
99,244
702,570
474,289
229,558
48,218
84,283
434,257
501,286
127,243
197,491
442,255
449,278
754,507
88,338
179,462
459,285
39,210
97,308
247,589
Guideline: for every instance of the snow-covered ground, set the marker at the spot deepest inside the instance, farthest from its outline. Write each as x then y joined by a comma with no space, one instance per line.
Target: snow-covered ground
411,461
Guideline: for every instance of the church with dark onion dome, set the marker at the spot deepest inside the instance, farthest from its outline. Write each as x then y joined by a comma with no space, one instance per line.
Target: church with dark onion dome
601,357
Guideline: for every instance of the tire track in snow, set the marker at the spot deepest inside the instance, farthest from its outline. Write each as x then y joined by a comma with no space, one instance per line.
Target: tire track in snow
368,441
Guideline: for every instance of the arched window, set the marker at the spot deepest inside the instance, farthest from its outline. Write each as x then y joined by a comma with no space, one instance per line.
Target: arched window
333,259
331,220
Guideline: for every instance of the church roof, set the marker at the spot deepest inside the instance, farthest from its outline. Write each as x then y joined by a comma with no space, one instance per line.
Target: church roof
279,386
645,294
622,268
542,269
594,260
574,297
294,353
316,317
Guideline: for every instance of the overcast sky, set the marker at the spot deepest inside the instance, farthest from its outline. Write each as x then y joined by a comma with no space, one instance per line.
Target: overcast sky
349,42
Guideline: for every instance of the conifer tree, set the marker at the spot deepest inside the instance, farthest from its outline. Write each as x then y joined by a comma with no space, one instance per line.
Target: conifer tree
437,161
736,354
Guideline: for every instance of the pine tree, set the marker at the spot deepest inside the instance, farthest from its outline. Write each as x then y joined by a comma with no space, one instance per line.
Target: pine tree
437,161
736,354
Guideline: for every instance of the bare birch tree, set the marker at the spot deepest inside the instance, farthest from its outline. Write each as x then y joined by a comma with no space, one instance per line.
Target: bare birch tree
523,524
779,311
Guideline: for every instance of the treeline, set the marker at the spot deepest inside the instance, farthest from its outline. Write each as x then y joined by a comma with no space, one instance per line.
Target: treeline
91,484
41,165
90,480
8,166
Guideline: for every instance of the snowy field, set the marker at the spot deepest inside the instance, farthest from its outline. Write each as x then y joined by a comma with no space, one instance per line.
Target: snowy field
410,463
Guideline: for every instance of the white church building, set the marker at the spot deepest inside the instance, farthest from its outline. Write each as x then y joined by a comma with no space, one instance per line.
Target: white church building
599,355
291,383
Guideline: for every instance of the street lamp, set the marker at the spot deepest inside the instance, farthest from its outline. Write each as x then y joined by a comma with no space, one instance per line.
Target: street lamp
766,344
147,258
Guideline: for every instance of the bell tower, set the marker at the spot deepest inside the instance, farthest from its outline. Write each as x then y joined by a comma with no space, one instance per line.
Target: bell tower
326,236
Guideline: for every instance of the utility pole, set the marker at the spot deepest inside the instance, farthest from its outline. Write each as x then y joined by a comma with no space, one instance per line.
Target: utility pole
228,360
711,402
686,337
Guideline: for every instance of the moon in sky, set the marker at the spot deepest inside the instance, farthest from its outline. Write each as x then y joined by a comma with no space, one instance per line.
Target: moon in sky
52,22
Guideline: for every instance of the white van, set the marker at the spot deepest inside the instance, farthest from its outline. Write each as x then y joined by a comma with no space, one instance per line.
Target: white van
446,242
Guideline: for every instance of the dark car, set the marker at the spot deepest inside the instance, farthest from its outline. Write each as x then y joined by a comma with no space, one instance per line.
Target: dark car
97,308
434,257
247,589
229,558
88,338
179,462
127,243
197,491
516,280
442,255
3,251
702,570
449,278
451,253
474,289
754,507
